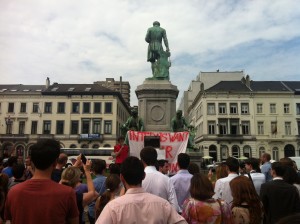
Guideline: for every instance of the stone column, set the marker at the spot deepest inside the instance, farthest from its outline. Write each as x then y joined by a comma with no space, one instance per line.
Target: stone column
157,104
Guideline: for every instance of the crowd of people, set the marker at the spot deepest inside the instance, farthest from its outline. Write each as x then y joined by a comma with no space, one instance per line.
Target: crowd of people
42,190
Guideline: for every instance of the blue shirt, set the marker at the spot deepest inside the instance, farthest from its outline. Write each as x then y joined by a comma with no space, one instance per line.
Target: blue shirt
99,183
266,170
182,182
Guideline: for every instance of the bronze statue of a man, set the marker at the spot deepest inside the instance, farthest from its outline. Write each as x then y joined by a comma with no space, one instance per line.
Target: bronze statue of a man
154,37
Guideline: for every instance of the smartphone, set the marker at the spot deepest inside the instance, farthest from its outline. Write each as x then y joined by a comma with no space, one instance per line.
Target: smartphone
83,159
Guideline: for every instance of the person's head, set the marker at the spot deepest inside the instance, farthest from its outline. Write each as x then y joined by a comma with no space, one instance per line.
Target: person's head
44,153
132,171
148,155
71,176
232,164
114,169
179,114
193,168
221,171
277,169
252,164
98,166
287,162
163,166
183,160
112,183
243,191
265,157
201,188
18,170
156,23
121,140
12,160
62,159
290,175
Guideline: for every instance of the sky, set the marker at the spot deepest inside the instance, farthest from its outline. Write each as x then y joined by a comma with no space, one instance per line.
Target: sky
75,41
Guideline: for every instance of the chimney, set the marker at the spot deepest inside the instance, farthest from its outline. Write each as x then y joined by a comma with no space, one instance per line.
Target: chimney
121,85
47,82
248,81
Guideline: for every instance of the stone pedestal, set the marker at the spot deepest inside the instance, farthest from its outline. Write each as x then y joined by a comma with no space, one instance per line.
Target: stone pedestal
157,104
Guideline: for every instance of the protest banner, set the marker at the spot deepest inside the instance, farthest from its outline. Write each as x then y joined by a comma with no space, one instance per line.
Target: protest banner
172,143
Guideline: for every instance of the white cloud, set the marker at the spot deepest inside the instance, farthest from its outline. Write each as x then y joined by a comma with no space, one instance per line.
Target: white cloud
74,41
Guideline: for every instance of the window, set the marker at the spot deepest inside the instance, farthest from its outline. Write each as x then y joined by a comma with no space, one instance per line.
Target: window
298,124
287,127
245,127
234,127
35,108
275,153
247,151
261,151
260,128
286,108
75,107
0,107
274,127
211,127
86,108
9,124
107,127
235,151
298,108
96,126
233,108
211,108
11,107
74,127
97,108
259,108
244,108
34,125
60,127
47,127
48,107
23,108
108,108
85,126
61,107
222,108
272,108
21,127
222,128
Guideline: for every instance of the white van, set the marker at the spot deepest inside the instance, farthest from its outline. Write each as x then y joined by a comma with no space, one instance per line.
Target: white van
297,160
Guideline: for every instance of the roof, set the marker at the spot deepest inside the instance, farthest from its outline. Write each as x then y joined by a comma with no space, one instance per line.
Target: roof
21,89
268,86
228,86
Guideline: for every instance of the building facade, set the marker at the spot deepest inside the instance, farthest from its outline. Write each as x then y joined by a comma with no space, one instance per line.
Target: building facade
78,115
247,118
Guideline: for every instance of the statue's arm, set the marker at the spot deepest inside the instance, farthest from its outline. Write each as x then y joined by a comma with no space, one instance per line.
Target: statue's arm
147,38
166,40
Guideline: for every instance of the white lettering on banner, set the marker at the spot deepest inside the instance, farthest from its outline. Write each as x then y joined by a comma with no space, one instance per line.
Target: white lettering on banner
172,142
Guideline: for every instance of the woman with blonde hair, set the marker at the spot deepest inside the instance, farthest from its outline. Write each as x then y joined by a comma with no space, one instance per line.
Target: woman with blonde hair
114,188
246,205
71,176
201,207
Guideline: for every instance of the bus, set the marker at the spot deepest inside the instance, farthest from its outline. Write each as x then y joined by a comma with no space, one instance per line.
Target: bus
105,153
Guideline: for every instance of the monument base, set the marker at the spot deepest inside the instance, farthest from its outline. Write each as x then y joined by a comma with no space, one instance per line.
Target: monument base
157,104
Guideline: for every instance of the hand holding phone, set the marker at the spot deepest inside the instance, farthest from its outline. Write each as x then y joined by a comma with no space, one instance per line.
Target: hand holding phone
83,159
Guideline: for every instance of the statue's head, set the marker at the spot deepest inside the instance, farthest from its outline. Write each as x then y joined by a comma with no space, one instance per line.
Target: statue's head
179,113
134,113
156,23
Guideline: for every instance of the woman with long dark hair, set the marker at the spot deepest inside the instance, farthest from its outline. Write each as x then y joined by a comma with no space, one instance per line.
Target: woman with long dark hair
246,205
201,207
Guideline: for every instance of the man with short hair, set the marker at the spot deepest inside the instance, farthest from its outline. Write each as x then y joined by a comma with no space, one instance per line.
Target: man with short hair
222,188
266,167
252,168
155,182
98,167
279,198
163,166
41,200
61,162
182,179
137,206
